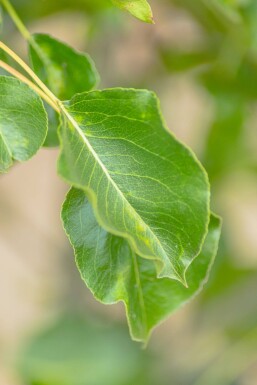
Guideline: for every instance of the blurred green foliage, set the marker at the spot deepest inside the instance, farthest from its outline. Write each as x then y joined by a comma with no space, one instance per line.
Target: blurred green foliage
32,9
226,66
221,345
80,351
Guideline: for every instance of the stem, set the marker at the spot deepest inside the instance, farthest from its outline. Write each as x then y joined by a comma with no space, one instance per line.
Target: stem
33,86
17,21
29,71
46,94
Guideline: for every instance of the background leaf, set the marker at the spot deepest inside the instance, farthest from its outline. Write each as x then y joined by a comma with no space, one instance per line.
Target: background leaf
79,351
143,183
113,272
23,122
138,8
64,70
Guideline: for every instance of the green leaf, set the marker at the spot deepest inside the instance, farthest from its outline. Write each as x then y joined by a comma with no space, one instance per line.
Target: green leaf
144,185
138,8
113,272
52,139
4,57
64,70
225,138
179,61
23,122
77,351
211,14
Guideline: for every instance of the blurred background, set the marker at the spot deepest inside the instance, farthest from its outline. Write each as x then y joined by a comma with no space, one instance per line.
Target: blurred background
200,57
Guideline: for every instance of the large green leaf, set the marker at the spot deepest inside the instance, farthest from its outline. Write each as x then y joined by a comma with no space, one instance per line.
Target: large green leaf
138,8
64,70
23,122
113,272
144,185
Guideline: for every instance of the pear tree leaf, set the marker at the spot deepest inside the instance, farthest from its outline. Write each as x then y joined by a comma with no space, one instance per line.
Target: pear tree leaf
143,184
138,8
52,139
23,122
113,272
64,70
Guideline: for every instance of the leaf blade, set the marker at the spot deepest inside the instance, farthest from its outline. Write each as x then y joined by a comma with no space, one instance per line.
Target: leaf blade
144,185
113,272
138,8
64,70
23,122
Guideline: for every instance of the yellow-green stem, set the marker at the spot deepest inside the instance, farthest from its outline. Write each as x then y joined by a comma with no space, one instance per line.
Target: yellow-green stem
33,86
29,71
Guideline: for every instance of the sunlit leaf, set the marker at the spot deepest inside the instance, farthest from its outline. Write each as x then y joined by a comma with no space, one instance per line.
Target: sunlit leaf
144,185
23,122
138,8
114,272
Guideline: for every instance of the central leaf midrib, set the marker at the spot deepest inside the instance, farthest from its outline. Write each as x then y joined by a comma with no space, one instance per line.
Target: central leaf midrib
104,169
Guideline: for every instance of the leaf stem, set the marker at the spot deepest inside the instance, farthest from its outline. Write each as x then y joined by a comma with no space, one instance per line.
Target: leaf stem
29,71
46,94
33,86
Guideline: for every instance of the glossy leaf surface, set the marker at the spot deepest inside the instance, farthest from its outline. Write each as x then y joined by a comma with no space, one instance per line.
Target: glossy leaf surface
138,8
23,122
144,185
113,272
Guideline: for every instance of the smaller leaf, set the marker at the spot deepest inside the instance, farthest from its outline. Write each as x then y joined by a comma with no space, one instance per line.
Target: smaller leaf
64,70
114,273
23,122
138,8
